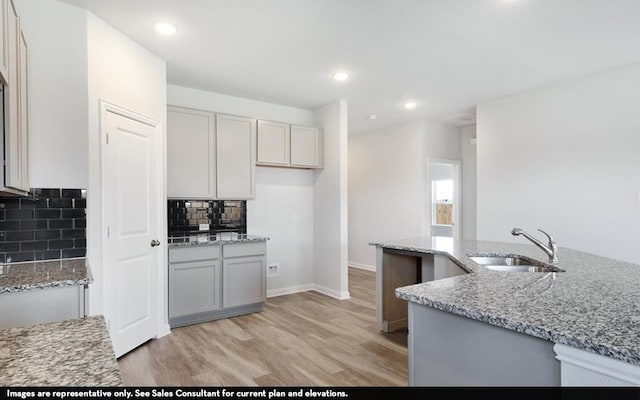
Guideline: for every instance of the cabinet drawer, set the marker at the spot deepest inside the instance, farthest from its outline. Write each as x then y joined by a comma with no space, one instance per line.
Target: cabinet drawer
193,253
244,249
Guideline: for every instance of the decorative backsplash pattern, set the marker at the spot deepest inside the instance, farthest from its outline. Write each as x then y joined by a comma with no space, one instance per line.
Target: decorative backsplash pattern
221,215
48,224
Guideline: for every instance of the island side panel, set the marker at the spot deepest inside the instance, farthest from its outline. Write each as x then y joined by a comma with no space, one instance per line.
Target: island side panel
450,350
394,271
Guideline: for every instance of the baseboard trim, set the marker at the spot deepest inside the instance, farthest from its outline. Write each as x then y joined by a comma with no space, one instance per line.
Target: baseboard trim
289,290
344,295
365,267
207,316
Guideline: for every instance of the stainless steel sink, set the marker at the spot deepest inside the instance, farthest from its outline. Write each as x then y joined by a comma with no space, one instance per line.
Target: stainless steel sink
514,264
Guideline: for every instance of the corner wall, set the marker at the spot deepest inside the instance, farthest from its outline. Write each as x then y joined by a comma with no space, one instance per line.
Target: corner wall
564,159
330,231
469,183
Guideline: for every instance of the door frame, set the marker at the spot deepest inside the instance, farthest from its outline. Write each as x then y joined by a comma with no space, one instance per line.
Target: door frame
162,325
457,194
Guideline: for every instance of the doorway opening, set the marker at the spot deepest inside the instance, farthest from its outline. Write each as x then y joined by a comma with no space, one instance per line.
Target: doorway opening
444,201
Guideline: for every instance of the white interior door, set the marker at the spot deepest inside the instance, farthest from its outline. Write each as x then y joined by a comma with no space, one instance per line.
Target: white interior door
131,207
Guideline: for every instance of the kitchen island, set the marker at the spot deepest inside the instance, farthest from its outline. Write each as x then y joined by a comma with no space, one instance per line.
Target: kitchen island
76,352
522,322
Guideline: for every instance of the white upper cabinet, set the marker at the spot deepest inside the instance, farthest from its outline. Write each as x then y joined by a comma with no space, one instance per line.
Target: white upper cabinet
23,112
191,154
306,147
236,157
273,143
15,101
214,156
12,142
285,145
4,43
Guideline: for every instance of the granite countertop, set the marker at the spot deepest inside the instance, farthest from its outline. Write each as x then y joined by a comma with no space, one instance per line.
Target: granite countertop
594,305
206,239
35,275
76,352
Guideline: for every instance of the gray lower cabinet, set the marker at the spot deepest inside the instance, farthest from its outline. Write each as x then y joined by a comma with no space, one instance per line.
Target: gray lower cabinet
244,281
194,287
213,282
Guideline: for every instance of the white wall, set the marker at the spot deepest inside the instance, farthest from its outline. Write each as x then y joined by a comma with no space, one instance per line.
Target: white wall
123,73
564,159
469,161
202,100
283,211
56,34
388,188
441,141
283,207
330,266
387,181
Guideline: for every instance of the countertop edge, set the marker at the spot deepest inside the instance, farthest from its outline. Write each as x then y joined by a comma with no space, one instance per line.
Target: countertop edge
46,285
424,251
218,242
27,287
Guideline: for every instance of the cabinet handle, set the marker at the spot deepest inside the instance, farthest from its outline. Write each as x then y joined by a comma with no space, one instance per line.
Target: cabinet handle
155,243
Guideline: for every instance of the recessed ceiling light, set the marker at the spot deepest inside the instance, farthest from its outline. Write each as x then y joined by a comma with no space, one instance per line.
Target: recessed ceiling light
165,28
372,116
341,76
410,105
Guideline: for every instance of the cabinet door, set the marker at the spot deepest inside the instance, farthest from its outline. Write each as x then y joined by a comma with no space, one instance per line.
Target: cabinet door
4,55
194,287
12,143
236,157
306,146
244,281
190,154
273,143
23,112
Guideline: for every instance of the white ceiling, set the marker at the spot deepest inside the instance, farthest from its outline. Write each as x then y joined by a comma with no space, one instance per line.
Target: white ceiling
448,55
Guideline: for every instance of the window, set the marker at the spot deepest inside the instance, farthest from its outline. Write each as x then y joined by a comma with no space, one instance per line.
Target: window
442,199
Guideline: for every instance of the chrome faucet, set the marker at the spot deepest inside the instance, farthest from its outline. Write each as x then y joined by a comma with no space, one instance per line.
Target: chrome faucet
551,249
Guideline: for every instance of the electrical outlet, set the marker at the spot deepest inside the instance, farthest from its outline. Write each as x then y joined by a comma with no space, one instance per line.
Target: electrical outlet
273,269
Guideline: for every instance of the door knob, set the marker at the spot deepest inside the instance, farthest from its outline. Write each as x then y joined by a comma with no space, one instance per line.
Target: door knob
155,243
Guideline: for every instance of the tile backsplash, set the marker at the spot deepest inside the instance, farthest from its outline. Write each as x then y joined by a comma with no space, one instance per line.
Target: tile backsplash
48,224
221,216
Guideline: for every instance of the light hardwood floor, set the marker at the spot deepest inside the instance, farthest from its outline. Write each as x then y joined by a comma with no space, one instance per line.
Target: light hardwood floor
302,339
